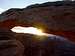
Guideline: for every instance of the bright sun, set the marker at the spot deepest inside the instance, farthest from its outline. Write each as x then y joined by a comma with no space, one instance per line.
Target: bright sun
32,30
29,30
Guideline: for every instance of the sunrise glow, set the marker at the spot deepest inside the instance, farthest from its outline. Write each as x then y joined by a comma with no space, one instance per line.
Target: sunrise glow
29,30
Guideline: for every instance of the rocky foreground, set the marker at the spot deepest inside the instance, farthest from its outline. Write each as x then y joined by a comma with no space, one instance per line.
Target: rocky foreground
13,44
53,17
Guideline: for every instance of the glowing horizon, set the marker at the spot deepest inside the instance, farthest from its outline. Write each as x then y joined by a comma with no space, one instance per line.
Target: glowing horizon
29,30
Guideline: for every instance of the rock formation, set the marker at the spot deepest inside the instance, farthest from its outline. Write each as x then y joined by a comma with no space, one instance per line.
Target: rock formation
9,46
53,17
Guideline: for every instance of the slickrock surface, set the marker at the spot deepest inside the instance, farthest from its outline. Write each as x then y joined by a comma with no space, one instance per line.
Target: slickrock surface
9,46
54,17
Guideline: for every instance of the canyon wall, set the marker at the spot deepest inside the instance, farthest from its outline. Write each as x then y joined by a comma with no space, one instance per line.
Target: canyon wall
53,17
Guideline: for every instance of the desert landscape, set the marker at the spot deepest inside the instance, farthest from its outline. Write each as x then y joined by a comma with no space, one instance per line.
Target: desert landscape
55,18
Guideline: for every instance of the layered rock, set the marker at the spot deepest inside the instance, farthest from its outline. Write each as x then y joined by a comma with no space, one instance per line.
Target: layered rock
9,46
53,17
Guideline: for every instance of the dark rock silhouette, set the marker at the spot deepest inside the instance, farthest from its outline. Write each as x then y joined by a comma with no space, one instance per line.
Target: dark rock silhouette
54,17
57,3
50,46
16,44
9,46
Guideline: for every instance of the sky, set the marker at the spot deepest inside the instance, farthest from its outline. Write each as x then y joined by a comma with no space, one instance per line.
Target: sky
7,4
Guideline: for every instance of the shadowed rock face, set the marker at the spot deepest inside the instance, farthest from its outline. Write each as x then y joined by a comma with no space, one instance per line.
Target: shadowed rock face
9,46
50,46
30,45
54,17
